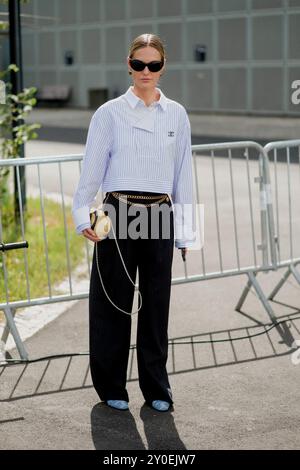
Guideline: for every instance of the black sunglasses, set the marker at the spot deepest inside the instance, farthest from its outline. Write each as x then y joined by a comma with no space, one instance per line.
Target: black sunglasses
154,66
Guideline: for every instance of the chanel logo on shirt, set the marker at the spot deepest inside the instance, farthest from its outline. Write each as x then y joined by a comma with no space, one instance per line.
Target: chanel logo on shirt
171,134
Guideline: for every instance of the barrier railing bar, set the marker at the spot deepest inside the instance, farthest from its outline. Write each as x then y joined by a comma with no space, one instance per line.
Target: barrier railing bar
192,278
233,208
86,241
270,212
21,211
12,162
3,254
230,145
43,300
216,275
212,154
44,231
65,228
277,205
289,201
198,202
281,144
251,205
263,212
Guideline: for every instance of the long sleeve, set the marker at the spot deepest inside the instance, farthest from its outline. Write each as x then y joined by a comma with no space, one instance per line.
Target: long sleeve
94,165
183,190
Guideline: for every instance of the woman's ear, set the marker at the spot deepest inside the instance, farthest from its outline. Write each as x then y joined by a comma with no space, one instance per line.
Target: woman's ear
128,65
163,69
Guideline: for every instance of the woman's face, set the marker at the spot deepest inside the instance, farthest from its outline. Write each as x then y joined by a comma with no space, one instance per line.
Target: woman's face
146,79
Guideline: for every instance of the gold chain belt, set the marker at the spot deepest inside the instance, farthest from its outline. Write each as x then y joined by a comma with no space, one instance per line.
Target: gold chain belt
123,198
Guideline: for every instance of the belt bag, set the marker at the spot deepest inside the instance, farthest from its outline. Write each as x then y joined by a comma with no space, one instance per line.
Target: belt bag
100,222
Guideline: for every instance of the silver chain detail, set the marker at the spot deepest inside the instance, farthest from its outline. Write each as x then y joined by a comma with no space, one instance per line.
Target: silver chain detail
97,262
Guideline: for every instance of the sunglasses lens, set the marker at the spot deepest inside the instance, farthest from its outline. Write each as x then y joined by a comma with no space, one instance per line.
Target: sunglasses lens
138,65
155,66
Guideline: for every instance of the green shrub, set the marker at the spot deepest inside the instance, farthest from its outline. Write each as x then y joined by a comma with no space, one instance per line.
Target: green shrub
34,234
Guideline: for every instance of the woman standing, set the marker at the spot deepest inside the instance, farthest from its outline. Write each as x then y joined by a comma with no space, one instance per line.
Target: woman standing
138,150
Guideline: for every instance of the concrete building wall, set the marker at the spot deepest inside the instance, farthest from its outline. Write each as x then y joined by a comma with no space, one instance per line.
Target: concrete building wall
252,49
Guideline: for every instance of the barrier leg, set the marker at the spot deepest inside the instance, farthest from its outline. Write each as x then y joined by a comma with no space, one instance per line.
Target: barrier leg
6,331
280,283
295,273
11,326
252,281
244,295
291,270
262,297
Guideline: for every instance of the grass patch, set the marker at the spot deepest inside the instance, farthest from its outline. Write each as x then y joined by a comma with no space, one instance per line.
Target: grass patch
34,234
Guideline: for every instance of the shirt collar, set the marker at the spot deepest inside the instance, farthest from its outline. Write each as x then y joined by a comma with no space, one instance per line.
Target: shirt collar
133,100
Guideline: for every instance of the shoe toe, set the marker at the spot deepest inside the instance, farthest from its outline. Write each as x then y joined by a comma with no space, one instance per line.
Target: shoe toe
160,405
118,404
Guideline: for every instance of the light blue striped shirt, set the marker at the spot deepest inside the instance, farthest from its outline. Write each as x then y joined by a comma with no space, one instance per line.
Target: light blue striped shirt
131,146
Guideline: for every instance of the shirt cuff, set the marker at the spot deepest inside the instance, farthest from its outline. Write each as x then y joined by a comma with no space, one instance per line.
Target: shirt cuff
81,227
81,217
184,244
185,237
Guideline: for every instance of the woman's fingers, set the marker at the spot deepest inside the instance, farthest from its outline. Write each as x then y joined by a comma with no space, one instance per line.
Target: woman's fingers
90,234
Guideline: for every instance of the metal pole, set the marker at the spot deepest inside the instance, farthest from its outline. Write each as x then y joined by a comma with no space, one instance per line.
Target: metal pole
15,46
14,331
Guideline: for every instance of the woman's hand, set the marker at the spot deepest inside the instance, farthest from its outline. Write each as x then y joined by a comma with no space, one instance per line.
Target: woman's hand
90,234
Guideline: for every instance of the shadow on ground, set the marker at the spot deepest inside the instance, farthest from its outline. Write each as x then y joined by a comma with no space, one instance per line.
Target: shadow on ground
113,430
186,354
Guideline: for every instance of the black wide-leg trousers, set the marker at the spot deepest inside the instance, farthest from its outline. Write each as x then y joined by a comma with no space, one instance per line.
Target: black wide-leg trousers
110,329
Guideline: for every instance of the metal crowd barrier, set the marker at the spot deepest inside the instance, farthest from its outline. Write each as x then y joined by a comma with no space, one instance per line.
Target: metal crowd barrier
53,178
284,162
232,181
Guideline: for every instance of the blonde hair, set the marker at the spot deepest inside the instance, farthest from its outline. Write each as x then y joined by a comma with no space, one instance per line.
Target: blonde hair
145,40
